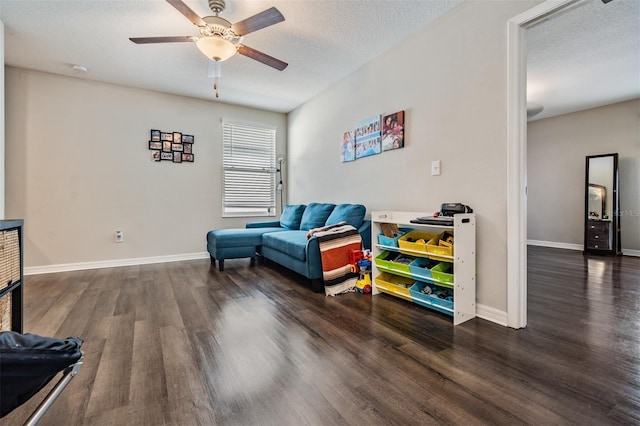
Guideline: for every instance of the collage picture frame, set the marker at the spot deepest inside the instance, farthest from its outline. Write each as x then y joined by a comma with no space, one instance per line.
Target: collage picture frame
176,147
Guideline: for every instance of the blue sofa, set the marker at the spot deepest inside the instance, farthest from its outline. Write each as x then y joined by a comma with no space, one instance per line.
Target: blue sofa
285,241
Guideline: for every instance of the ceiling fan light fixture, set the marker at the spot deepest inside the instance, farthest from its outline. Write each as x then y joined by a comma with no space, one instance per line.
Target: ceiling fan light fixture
216,48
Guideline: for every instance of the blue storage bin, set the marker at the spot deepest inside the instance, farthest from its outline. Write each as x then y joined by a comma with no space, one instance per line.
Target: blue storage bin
422,267
392,242
432,299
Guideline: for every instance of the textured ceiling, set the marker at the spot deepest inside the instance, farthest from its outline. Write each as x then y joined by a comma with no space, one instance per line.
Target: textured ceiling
584,58
323,41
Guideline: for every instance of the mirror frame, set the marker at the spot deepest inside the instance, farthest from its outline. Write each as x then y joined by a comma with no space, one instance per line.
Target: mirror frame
614,215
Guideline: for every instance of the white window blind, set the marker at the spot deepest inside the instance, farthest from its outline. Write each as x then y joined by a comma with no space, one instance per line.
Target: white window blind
249,163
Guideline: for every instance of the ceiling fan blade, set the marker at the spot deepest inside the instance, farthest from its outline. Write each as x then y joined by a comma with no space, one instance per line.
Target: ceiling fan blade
257,22
186,11
176,39
262,57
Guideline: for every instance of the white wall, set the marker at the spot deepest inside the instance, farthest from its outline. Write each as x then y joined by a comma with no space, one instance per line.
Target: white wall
2,121
450,78
78,169
556,150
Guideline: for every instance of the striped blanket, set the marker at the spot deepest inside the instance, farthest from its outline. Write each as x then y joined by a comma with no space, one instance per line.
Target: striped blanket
335,242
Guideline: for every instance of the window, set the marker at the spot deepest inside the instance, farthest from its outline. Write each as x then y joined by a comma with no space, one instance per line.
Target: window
249,163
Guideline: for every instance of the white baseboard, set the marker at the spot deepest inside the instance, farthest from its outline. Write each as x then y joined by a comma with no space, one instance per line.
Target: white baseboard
47,269
566,246
491,314
579,247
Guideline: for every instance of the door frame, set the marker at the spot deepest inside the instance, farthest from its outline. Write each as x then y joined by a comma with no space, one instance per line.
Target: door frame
517,153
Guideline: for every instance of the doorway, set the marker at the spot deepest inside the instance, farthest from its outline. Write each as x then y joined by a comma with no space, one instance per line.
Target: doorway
517,155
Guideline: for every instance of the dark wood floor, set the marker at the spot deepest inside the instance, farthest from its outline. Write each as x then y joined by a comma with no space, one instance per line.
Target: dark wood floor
183,344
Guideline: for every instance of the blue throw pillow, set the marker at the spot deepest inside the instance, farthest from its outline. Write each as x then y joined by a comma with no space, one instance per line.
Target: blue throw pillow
315,215
353,214
291,216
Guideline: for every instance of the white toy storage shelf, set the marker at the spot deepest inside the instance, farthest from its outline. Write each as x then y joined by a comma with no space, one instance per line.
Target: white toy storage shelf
416,267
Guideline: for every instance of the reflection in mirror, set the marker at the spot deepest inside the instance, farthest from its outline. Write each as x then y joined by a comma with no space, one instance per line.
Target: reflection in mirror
597,202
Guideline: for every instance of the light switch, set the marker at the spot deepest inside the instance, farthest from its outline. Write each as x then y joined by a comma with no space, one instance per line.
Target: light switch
435,168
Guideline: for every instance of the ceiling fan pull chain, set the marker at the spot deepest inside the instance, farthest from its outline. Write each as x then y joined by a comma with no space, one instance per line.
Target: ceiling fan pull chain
215,71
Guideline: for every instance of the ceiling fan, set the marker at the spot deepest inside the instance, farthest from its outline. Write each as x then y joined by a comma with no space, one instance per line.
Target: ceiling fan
220,39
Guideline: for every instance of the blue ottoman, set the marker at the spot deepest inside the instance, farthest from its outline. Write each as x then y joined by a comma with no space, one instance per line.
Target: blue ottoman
235,243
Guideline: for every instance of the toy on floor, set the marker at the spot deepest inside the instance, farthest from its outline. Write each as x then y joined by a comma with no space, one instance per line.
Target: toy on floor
363,285
359,260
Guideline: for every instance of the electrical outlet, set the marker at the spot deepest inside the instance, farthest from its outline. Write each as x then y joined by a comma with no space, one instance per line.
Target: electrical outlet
119,236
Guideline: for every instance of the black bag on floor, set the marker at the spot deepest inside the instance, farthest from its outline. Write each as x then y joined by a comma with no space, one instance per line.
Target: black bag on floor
28,362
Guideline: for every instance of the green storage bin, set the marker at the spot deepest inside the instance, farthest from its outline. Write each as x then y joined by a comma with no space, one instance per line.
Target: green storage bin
443,271
389,260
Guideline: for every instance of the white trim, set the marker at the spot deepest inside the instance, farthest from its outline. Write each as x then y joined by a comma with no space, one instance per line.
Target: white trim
65,267
579,247
552,244
491,314
517,158
516,176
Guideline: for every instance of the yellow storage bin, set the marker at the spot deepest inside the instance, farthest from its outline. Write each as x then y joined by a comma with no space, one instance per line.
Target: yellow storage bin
434,247
415,241
394,284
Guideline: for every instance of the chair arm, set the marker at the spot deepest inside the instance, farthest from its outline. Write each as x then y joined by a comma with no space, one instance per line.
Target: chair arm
365,232
314,262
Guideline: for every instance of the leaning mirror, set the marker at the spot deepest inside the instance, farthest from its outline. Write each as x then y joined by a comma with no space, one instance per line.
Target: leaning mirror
601,230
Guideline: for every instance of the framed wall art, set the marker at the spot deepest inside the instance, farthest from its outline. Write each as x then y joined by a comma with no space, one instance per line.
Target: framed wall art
348,146
393,131
368,137
176,147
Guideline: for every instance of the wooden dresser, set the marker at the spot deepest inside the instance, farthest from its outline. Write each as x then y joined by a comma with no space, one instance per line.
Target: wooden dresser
599,234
